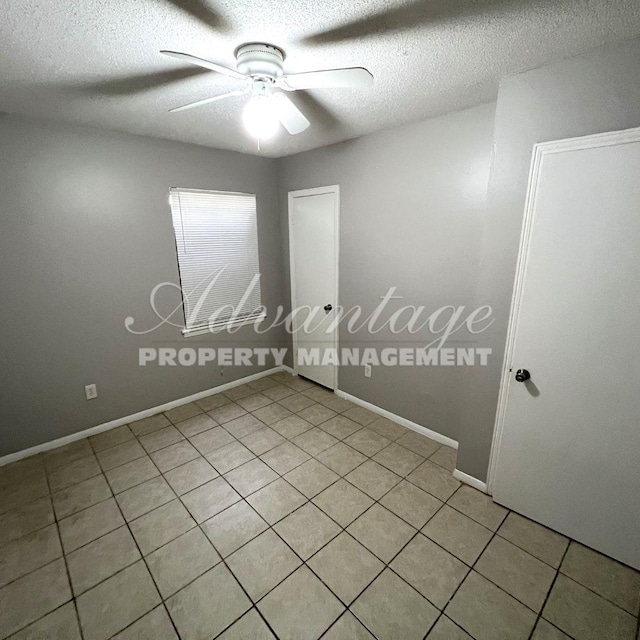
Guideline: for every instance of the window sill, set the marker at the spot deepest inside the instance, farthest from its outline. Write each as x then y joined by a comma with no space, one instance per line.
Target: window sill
223,326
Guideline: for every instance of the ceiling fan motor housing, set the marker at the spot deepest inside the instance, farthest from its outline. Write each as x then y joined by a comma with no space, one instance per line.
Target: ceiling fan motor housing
260,60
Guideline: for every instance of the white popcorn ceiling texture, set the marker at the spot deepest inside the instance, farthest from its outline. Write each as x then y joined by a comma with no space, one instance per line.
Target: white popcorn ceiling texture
96,61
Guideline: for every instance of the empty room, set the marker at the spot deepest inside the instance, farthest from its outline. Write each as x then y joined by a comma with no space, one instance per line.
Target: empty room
436,436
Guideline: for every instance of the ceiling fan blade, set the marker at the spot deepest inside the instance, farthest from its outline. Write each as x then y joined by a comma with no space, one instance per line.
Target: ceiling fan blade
212,66
199,10
352,77
292,119
200,103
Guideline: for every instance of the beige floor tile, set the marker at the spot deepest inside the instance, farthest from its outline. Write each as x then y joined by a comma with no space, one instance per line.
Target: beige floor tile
486,612
387,428
300,608
191,475
80,496
74,473
234,527
144,497
314,441
262,440
413,505
445,629
184,411
343,502
147,425
610,579
275,501
398,459
131,474
381,532
546,631
210,440
111,438
361,415
193,426
174,455
250,627
367,442
117,602
25,600
418,443
17,472
339,426
182,560
446,457
434,572
155,625
241,391
263,383
341,458
250,477
373,479
539,541
227,413
316,414
434,479
584,615
64,455
478,506
311,478
101,558
391,609
229,457
85,526
23,520
120,454
208,605
520,574
347,627
210,498
29,553
285,458
299,384
161,525
61,624
243,426
306,530
291,426
461,536
339,405
296,403
278,392
272,413
18,493
262,563
346,567
318,393
254,402
212,402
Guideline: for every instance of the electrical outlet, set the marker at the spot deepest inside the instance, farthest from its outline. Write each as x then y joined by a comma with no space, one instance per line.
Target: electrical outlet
367,370
91,391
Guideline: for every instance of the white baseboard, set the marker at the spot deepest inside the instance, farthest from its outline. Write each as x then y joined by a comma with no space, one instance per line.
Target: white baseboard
92,431
470,480
434,435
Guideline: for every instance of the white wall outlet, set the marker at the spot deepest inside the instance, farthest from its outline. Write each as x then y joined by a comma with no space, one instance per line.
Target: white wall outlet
91,391
367,370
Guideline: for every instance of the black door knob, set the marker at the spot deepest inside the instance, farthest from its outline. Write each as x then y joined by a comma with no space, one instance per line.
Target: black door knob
522,375
327,307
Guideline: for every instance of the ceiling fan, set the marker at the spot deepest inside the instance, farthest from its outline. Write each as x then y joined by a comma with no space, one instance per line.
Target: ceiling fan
260,67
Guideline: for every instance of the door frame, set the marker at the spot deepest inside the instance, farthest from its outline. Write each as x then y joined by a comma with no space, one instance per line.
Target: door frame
540,151
302,193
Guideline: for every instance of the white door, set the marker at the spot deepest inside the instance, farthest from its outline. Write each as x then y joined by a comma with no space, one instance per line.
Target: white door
313,247
567,447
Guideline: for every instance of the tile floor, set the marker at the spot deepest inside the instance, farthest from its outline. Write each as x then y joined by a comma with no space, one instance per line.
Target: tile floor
277,509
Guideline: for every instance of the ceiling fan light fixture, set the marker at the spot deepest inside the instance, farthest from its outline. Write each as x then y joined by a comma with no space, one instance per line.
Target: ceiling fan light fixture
259,117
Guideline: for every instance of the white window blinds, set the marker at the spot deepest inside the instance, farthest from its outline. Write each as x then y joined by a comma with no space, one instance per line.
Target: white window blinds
217,244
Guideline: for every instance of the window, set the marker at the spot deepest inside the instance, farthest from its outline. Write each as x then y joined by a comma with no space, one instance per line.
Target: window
217,244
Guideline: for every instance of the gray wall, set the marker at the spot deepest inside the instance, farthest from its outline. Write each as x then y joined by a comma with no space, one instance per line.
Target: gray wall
85,234
588,94
412,207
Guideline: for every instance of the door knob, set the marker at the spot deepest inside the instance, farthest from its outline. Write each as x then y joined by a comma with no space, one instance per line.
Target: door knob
327,307
522,375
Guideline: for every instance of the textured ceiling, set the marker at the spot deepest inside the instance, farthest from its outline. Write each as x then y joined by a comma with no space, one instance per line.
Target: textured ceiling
97,62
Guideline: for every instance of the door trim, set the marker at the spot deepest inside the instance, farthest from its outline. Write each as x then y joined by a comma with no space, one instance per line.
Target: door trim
540,151
302,193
